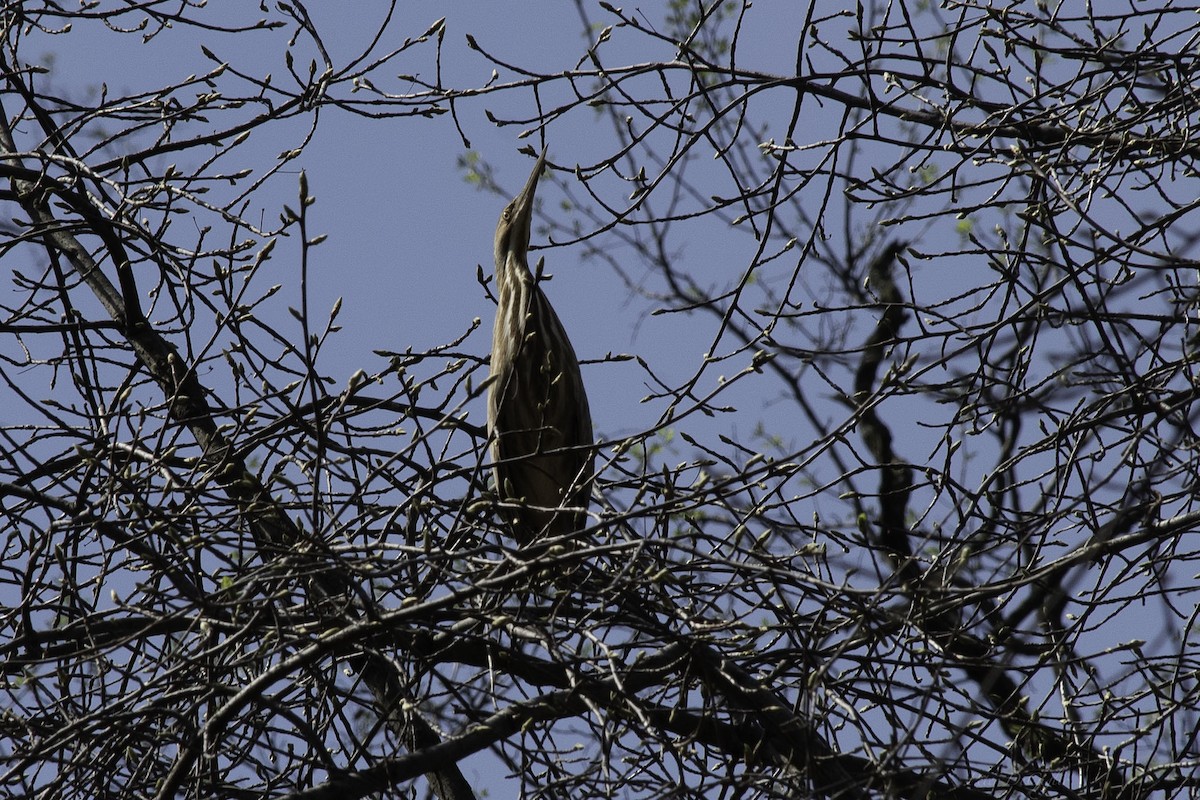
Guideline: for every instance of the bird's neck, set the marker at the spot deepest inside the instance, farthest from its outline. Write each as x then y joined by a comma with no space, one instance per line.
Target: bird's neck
515,286
514,276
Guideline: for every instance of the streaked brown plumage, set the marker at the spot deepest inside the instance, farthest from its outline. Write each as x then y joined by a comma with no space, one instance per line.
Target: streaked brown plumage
538,414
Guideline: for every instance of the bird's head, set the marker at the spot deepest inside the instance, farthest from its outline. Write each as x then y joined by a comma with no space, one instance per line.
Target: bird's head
512,231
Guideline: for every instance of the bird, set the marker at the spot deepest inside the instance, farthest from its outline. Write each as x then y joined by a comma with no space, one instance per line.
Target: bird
539,423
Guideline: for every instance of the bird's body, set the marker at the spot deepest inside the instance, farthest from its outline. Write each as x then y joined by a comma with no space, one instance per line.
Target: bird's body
538,416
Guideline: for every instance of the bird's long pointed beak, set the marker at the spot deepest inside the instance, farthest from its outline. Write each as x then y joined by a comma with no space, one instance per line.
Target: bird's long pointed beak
523,203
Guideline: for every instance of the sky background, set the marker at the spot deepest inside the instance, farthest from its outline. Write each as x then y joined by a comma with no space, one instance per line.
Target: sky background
407,230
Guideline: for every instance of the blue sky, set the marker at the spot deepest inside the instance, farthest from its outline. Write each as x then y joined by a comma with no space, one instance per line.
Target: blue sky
406,229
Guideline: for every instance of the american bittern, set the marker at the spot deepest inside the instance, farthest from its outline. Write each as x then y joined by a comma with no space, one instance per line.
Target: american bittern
538,416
